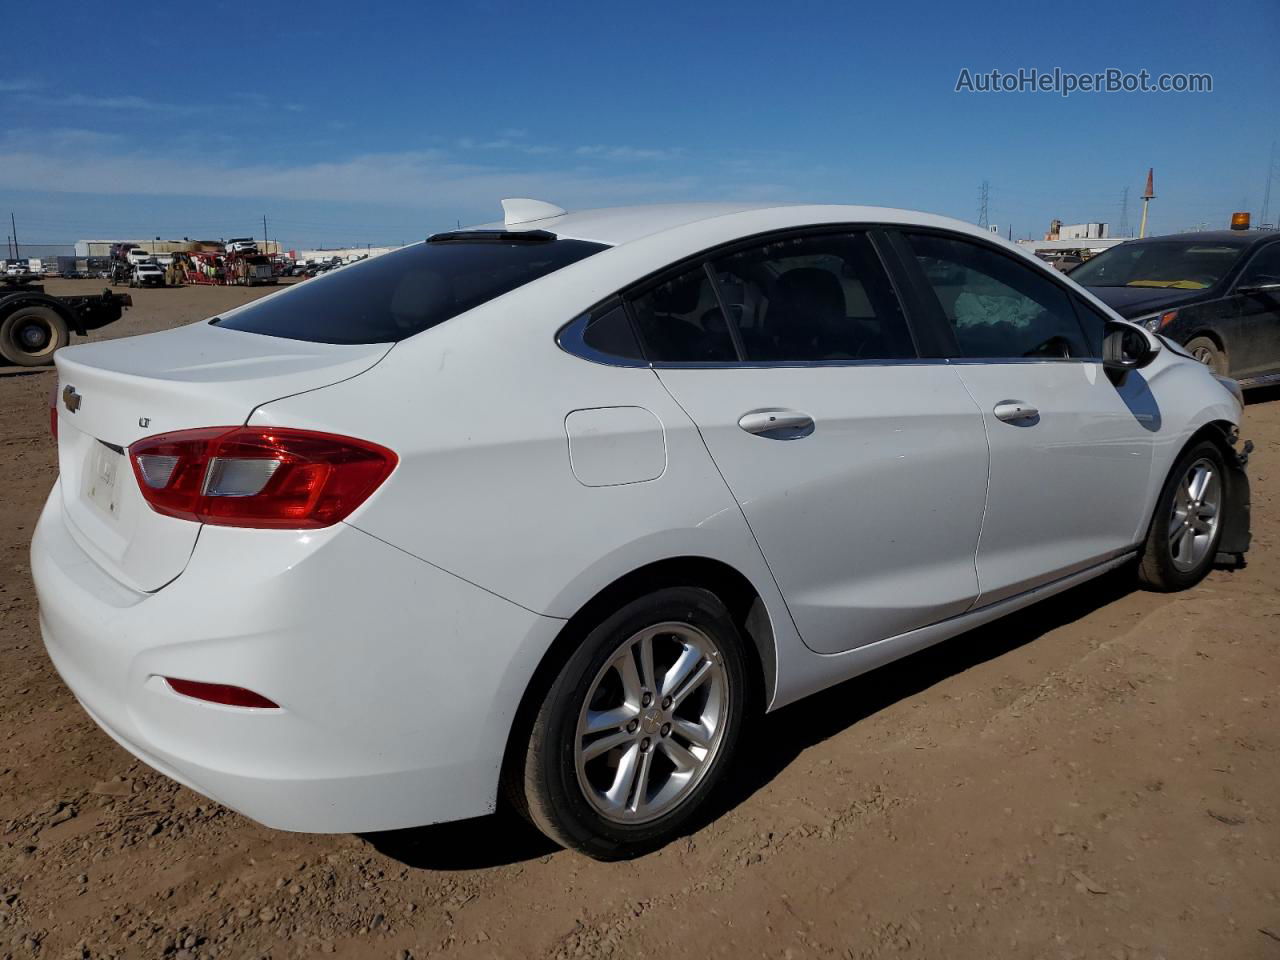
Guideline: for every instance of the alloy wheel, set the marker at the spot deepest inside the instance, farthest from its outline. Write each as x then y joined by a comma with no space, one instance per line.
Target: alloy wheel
1197,507
652,723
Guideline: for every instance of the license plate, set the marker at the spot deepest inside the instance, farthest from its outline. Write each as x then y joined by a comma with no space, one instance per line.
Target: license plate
104,474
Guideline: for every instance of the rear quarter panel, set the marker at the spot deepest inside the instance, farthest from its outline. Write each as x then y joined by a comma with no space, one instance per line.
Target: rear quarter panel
476,410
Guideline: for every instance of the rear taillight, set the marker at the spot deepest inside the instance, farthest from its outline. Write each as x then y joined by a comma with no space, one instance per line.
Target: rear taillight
53,409
258,476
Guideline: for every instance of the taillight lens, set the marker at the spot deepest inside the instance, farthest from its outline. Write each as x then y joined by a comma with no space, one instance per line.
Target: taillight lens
53,409
257,476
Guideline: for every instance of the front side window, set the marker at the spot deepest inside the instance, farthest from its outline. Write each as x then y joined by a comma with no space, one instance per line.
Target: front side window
389,298
997,307
816,298
1263,269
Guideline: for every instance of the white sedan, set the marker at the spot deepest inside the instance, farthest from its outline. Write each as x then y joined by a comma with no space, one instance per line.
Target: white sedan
547,508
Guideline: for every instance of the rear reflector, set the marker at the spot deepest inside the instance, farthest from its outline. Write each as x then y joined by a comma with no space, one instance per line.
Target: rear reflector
53,409
258,477
222,693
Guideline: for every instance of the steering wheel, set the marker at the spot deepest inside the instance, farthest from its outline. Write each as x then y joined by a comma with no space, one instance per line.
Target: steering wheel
1055,346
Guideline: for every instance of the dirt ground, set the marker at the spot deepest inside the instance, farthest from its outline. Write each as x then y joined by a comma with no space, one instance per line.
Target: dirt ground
1094,777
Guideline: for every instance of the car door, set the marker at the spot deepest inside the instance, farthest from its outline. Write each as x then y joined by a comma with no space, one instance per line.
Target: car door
1255,302
1071,452
860,467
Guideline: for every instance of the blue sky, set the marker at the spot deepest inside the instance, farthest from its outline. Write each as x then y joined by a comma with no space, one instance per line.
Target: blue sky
381,122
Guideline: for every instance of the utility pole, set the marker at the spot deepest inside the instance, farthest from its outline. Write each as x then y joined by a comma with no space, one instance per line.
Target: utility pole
1148,195
1124,213
17,255
1266,194
264,233
982,204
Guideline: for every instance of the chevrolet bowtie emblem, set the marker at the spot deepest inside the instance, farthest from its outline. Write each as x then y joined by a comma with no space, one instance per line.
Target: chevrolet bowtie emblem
71,399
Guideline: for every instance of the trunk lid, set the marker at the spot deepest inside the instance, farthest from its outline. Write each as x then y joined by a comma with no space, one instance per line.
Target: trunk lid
123,390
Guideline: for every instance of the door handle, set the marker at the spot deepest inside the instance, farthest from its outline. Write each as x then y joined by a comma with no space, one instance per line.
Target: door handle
777,424
1013,410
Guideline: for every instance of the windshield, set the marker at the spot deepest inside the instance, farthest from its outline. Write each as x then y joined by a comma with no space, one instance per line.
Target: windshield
1167,263
388,298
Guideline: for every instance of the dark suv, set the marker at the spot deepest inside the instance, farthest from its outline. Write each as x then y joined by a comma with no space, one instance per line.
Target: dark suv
1215,292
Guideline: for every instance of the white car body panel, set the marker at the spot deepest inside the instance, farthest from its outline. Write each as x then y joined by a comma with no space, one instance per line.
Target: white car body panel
400,642
1088,436
890,440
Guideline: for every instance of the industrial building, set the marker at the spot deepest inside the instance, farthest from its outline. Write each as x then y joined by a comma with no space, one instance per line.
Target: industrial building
102,248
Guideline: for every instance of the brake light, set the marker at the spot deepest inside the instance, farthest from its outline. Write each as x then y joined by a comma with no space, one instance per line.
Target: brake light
223,693
53,410
258,476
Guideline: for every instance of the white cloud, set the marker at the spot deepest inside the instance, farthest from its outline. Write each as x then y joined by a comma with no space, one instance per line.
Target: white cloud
80,100
422,179
627,153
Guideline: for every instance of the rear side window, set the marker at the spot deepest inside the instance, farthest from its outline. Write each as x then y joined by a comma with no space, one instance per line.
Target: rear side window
822,297
609,332
394,296
680,322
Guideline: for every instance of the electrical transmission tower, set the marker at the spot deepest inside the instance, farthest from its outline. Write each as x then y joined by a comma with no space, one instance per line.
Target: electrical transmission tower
1124,214
1273,170
982,204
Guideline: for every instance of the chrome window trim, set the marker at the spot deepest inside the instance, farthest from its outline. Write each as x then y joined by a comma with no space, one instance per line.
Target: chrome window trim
570,340
968,361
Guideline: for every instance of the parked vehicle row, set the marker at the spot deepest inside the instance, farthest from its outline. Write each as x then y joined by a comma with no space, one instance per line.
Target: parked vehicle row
550,507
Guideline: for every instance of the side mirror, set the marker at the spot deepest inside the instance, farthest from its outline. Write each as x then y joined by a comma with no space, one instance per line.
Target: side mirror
1127,347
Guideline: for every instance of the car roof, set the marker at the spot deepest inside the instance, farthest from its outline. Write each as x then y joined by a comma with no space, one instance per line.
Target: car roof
615,226
1234,238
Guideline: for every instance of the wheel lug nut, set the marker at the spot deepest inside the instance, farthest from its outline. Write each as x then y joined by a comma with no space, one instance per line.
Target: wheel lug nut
666,703
646,700
644,745
633,726
666,729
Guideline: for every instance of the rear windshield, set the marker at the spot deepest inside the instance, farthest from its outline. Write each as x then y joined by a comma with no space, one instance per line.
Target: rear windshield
391,297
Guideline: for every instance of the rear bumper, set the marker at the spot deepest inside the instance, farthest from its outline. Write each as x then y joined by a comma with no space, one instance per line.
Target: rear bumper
397,681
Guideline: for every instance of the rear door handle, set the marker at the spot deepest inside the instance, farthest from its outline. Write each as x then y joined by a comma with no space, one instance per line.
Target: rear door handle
777,424
1013,410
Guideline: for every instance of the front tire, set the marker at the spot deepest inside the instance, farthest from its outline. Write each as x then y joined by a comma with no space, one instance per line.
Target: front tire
638,727
1206,351
1183,539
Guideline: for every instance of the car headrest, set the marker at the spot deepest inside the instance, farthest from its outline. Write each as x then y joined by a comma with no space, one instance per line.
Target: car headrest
813,292
679,296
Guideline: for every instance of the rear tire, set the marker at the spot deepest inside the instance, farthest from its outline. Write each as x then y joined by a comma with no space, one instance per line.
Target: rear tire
1182,541
30,335
639,726
1206,351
